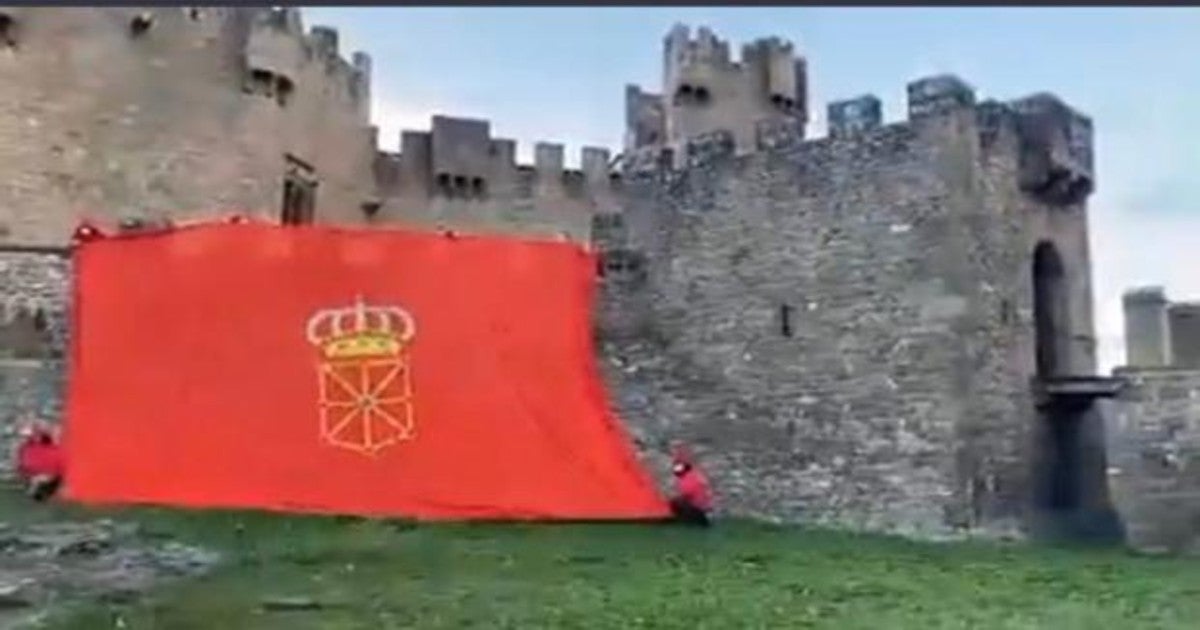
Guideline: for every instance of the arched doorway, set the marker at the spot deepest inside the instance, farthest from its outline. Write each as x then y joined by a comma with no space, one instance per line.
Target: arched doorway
1070,485
1050,311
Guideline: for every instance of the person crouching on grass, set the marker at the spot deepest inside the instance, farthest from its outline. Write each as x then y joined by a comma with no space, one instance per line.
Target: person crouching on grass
693,500
39,461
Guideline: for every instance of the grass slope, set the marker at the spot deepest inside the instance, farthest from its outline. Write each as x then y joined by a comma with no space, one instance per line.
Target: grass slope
378,574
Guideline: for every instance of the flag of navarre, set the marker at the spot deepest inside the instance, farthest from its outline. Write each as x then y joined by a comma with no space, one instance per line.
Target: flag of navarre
365,393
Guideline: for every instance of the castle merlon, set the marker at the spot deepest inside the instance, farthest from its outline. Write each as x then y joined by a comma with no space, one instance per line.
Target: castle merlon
855,115
936,94
1152,294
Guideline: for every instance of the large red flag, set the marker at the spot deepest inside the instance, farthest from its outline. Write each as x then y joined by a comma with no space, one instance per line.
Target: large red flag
369,372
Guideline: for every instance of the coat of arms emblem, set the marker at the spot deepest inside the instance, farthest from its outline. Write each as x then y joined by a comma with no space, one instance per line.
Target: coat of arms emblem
364,375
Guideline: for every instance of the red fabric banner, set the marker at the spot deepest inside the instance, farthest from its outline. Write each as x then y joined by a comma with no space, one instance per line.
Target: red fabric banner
385,373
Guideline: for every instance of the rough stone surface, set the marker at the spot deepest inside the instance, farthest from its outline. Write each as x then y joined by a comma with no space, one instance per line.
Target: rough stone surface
43,565
1154,437
33,329
33,307
896,395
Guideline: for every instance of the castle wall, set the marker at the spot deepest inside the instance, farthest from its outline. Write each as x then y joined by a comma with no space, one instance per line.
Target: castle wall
888,399
1154,452
170,112
456,176
845,327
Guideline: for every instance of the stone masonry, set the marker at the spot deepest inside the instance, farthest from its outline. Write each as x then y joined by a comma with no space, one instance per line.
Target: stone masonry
1155,446
844,326
848,329
1154,435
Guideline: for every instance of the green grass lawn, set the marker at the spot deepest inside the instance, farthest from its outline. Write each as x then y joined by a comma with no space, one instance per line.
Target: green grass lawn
377,574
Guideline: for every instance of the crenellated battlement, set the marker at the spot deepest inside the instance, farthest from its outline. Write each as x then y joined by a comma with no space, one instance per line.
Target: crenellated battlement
1053,141
459,159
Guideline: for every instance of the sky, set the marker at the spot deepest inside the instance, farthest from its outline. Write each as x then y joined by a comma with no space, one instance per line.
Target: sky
558,75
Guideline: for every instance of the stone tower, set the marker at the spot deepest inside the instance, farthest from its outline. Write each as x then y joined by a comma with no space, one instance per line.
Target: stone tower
135,114
704,90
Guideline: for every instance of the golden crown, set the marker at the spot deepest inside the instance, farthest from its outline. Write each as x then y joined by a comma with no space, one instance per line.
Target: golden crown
361,330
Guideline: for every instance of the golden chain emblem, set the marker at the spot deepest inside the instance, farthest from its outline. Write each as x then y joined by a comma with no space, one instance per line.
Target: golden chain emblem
364,375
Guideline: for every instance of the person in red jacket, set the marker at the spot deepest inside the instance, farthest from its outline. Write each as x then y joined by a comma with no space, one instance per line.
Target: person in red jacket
693,501
39,462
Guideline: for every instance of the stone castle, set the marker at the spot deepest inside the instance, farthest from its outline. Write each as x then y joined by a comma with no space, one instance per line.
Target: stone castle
887,328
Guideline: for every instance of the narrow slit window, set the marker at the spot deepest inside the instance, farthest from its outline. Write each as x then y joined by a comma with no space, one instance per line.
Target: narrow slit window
785,320
8,32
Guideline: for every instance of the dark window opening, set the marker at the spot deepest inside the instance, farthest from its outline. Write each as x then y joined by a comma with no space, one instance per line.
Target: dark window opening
460,184
283,90
443,183
652,137
478,186
261,83
1006,312
370,208
782,102
1051,328
622,262
140,24
299,194
40,323
616,263
683,94
270,85
8,31
195,13
688,94
785,320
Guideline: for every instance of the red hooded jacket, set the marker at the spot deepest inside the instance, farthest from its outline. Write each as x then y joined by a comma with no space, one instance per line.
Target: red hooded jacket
38,455
692,484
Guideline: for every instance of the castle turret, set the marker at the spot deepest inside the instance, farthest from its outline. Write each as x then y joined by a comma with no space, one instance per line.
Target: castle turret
1147,328
705,91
